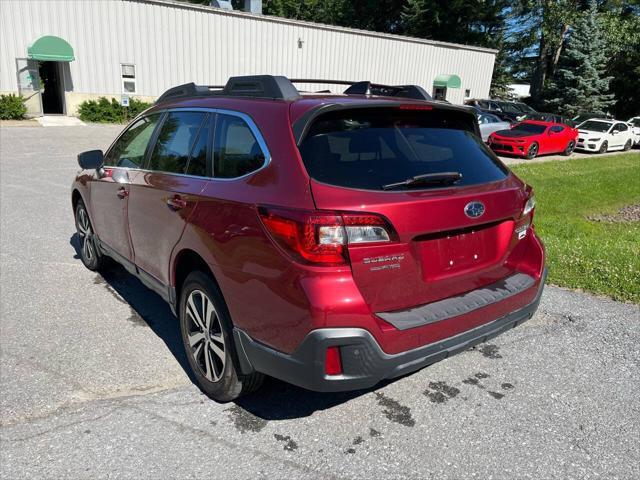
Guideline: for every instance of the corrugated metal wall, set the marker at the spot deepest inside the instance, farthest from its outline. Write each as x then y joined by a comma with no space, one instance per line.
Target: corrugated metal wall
171,44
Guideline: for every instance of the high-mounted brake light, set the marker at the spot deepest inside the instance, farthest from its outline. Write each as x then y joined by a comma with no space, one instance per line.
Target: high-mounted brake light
321,238
415,107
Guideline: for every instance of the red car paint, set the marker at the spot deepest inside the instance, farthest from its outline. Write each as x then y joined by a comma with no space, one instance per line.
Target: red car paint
278,300
552,138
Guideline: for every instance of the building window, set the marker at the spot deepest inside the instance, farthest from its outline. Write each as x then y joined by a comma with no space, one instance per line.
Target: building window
467,93
128,78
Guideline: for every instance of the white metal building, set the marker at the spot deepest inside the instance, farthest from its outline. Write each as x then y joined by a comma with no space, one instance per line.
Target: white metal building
59,53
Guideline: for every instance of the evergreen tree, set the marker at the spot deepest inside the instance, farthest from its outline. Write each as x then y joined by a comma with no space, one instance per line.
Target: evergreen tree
581,82
501,75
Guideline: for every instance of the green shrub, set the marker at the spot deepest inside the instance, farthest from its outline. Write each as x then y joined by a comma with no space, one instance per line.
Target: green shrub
12,107
104,110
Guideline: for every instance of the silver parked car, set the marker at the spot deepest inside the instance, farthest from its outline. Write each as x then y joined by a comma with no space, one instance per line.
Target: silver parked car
490,123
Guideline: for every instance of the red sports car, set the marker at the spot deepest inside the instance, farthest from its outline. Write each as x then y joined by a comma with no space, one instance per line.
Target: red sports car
531,138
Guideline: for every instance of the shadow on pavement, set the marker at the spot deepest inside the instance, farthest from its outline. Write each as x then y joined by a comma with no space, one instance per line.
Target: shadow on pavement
276,400
147,308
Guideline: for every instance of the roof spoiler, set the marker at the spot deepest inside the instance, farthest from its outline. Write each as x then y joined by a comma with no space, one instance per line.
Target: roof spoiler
281,88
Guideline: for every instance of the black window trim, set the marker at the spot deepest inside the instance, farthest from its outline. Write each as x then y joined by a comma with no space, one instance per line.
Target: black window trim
213,114
154,139
129,127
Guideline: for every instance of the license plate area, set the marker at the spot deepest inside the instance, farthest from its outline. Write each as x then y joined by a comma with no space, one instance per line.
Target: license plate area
464,250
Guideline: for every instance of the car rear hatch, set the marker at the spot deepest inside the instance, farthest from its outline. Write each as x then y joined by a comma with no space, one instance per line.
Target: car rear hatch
447,234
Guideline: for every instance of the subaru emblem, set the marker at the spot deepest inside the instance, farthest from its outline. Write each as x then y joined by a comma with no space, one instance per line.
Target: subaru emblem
474,209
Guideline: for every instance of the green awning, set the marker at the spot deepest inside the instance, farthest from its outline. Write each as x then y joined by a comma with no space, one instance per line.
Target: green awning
50,48
449,81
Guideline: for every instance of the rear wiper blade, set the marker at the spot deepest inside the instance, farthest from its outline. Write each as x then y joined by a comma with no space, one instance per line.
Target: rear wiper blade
441,178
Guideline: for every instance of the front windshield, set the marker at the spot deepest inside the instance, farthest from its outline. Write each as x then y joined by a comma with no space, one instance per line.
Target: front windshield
508,107
524,108
595,126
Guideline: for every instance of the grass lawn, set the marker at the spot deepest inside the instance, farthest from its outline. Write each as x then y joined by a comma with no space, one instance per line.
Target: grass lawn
601,257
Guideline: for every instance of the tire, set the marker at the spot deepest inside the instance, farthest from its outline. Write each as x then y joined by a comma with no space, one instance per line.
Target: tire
570,148
532,152
628,145
89,253
604,147
208,341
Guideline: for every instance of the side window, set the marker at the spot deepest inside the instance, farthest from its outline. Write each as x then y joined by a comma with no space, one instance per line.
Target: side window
177,135
130,148
622,127
236,150
198,160
557,129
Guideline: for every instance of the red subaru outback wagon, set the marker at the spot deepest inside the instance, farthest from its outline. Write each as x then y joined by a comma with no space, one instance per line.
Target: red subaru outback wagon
331,241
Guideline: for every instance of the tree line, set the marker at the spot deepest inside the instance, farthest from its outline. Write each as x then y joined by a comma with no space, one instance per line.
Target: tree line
577,55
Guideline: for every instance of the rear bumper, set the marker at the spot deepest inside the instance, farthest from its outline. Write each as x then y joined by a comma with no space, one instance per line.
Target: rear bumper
364,362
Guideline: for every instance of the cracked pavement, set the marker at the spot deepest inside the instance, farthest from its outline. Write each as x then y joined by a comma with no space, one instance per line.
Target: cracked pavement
94,383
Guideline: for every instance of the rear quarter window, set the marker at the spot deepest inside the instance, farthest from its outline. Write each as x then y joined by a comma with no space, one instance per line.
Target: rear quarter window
370,147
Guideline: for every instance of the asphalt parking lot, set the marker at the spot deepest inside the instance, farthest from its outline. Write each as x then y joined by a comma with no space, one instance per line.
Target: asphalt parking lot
94,383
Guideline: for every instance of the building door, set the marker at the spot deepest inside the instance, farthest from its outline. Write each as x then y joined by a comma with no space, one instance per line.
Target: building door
440,93
53,88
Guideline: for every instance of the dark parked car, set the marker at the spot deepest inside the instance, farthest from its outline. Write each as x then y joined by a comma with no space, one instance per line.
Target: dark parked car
583,117
508,111
331,241
551,118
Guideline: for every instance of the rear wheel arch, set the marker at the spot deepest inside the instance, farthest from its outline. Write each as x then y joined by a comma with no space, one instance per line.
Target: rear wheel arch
187,261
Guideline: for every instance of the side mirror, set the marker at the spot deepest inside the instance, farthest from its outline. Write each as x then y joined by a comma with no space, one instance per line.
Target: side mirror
615,132
91,159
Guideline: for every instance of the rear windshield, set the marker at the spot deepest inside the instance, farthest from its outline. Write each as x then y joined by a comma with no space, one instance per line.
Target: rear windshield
367,148
595,126
529,128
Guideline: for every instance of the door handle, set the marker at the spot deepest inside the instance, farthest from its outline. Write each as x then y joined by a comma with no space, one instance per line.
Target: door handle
176,202
122,193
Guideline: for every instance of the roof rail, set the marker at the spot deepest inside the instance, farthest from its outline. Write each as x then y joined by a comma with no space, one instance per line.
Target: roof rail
281,88
255,86
369,88
187,90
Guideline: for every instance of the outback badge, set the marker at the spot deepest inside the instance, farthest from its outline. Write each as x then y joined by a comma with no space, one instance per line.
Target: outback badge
474,209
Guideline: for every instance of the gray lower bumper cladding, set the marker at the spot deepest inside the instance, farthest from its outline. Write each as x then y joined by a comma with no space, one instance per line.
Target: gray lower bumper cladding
364,363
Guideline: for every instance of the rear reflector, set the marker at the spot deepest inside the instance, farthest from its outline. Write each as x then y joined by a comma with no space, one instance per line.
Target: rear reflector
332,362
321,238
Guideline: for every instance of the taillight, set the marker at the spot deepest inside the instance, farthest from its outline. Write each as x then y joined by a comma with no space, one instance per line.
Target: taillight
529,205
321,238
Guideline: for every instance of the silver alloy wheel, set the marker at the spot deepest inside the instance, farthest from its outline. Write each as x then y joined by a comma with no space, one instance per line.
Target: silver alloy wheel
86,235
533,150
570,147
206,340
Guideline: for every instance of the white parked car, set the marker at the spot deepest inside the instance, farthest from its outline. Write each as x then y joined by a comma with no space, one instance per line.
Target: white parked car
634,123
601,136
490,123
